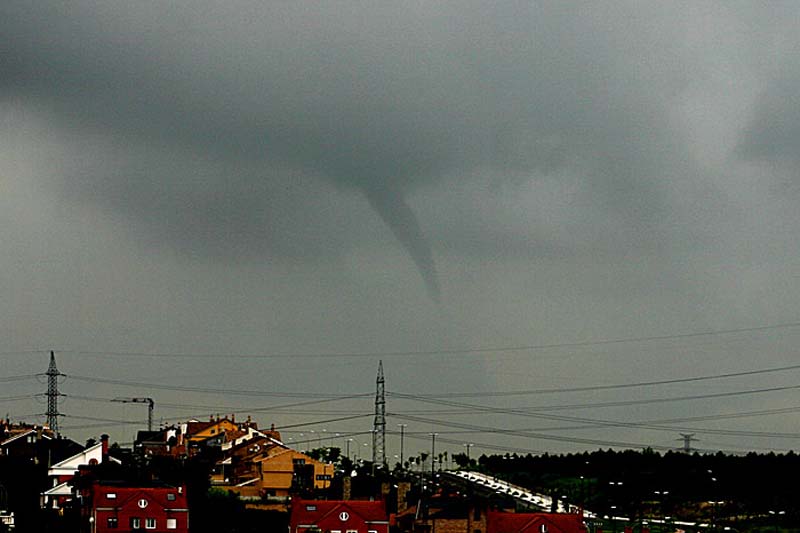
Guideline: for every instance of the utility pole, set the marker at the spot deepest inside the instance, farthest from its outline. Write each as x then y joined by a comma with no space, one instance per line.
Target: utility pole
52,393
433,455
402,434
468,445
150,405
379,426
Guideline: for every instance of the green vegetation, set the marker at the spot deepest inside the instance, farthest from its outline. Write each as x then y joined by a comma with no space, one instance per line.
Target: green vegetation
744,493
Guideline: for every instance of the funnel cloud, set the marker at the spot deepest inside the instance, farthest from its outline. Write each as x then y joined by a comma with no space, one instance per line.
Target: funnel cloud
389,203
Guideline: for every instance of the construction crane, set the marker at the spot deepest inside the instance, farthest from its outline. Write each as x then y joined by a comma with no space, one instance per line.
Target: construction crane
150,405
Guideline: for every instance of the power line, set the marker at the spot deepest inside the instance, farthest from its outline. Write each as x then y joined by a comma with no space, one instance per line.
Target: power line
7,379
592,423
534,435
17,398
444,351
484,446
590,388
109,420
236,408
620,403
235,392
327,421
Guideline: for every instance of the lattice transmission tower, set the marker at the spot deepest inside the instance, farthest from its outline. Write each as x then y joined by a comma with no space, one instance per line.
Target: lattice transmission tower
379,426
52,394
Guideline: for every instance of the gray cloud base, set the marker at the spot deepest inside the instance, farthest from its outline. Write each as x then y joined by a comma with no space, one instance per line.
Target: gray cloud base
243,171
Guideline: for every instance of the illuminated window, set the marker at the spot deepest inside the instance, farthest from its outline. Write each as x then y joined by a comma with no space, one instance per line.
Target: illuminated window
172,523
111,496
171,496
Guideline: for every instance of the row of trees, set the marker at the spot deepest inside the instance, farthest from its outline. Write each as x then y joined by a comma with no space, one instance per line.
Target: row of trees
718,489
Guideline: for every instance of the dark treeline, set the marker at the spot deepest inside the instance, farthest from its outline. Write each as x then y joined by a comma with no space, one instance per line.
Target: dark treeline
713,487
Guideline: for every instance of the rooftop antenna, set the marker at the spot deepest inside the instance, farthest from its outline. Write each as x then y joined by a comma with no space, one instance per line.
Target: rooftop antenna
379,426
52,394
150,405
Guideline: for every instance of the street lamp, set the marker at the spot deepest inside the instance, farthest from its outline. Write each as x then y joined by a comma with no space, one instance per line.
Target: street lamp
714,512
662,495
775,515
468,445
614,497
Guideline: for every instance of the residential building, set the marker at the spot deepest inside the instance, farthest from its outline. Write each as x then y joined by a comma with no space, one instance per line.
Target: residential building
337,516
503,522
111,506
190,438
23,440
283,470
61,473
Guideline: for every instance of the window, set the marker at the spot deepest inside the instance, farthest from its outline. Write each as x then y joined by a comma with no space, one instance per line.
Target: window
171,496
172,523
111,496
298,461
112,522
372,531
136,523
150,523
352,531
311,507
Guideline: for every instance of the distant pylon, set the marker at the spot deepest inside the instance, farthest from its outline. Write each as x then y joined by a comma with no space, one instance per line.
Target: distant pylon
52,394
687,441
379,427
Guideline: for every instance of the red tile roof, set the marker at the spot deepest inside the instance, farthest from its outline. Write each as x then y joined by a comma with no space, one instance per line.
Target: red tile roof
312,511
500,522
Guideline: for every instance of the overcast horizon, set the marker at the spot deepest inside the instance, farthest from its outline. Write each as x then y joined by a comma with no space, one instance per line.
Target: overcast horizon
274,197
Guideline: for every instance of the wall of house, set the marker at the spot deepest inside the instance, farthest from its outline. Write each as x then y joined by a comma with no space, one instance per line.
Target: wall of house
449,525
277,471
124,506
338,520
222,426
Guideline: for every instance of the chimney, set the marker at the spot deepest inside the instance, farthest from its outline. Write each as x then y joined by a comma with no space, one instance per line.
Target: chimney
347,483
104,447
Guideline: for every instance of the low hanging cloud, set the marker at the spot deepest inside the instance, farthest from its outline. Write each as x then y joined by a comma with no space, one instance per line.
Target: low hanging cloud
233,126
